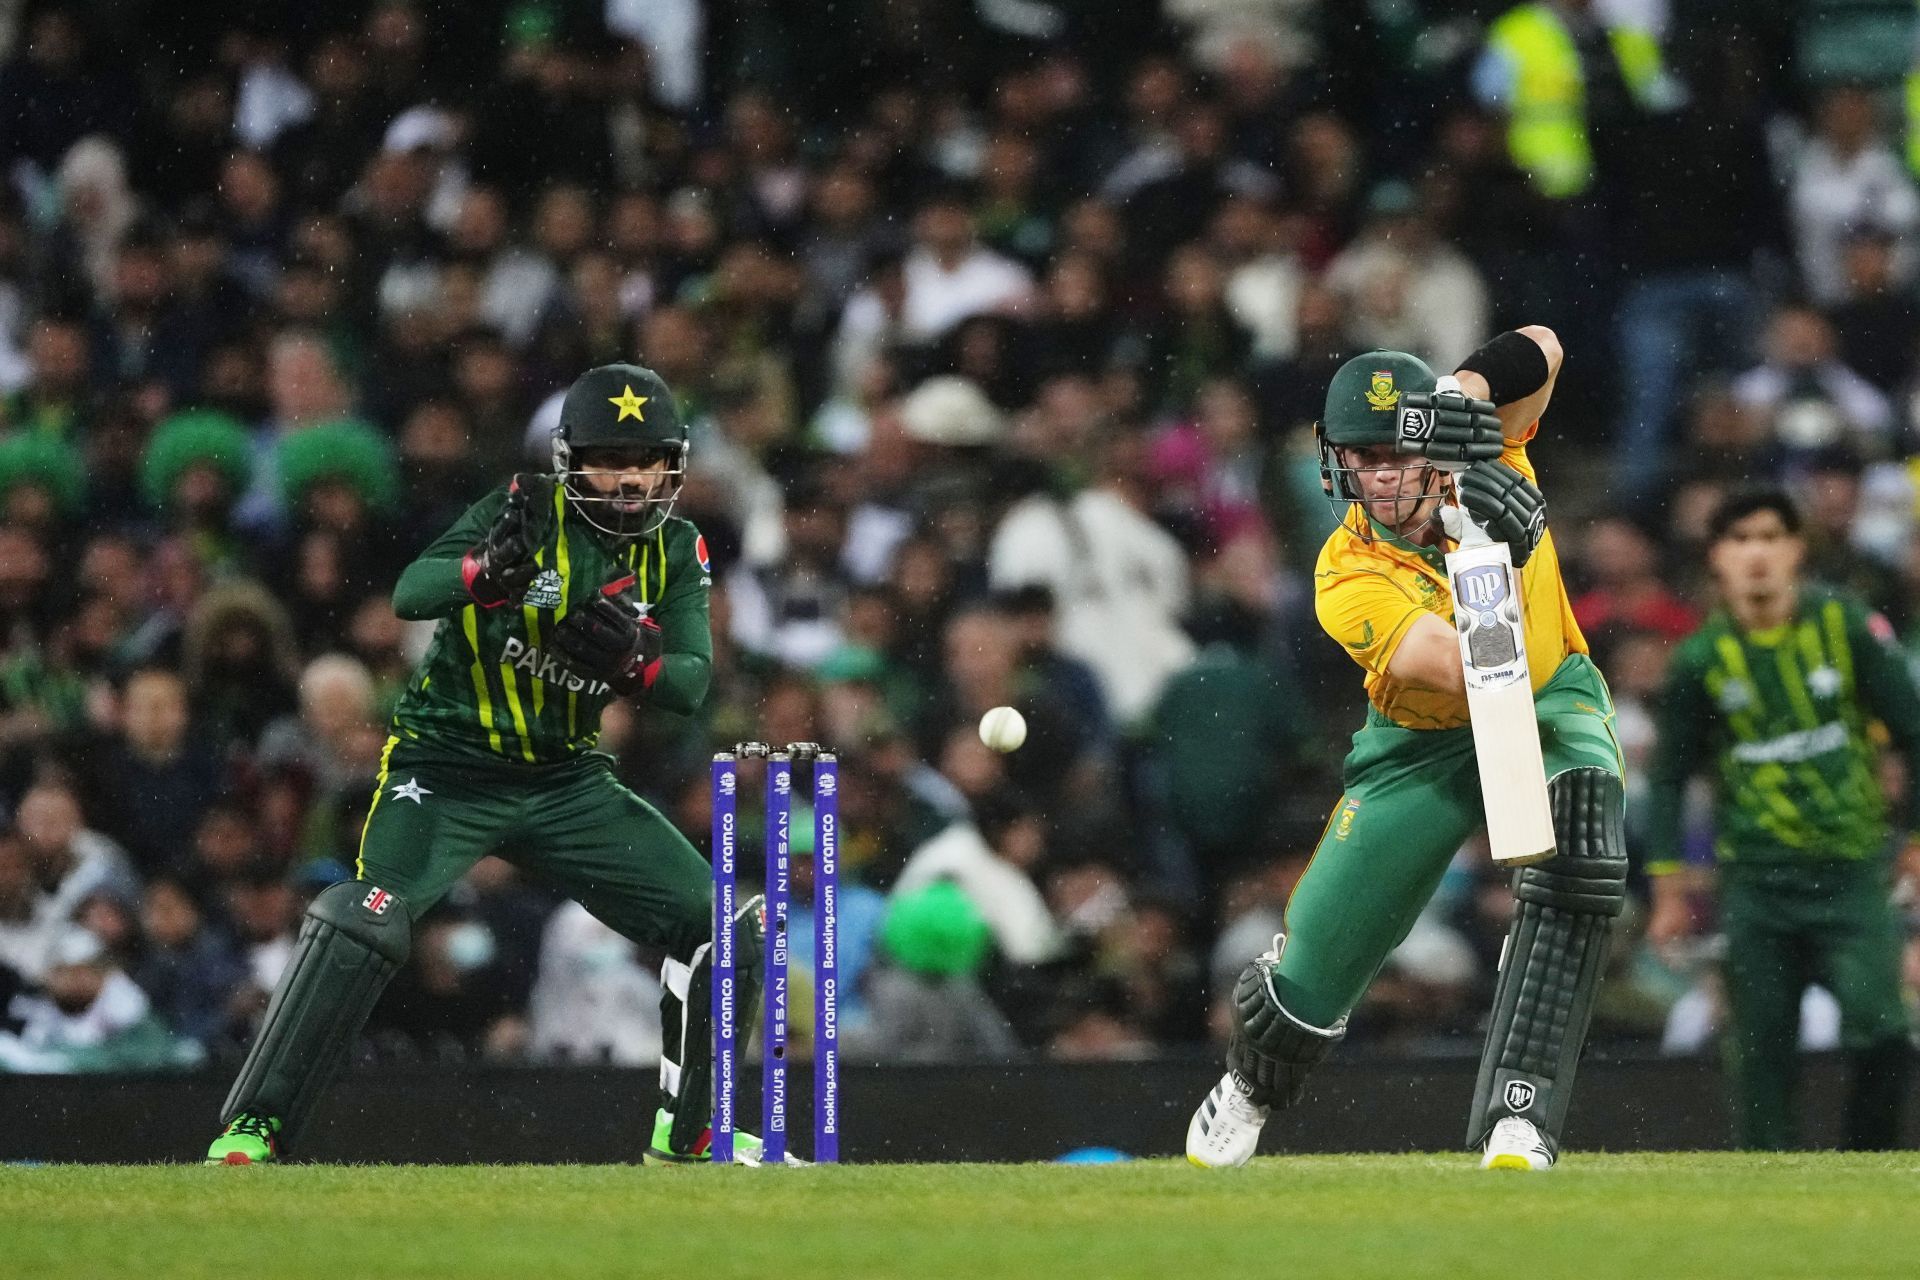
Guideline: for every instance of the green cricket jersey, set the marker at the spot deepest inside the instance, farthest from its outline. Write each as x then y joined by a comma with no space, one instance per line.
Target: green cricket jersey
490,686
1788,720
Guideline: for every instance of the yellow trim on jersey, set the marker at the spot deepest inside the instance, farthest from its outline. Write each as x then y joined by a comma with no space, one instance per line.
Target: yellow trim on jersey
379,788
1836,619
470,622
563,561
532,614
510,682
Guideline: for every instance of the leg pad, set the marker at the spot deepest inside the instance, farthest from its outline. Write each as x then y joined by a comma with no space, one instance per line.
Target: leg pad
355,938
1270,1050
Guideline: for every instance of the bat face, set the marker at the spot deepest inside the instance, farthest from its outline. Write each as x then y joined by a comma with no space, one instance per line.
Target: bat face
1489,616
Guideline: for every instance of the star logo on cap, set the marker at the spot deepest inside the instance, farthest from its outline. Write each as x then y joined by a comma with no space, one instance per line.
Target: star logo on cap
628,404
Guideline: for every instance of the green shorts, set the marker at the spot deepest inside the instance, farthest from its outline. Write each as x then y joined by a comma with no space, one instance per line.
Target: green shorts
570,825
1412,799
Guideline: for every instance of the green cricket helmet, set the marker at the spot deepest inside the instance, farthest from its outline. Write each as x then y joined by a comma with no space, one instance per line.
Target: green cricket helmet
625,413
1363,406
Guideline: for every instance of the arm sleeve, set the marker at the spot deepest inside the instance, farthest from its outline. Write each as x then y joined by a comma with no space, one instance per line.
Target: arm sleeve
433,586
1685,725
1887,691
686,632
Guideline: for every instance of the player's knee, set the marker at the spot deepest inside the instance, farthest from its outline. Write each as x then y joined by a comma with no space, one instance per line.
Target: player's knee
686,924
376,918
1589,873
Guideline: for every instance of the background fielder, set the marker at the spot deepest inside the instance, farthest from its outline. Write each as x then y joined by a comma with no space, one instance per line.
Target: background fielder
554,595
1780,696
1412,792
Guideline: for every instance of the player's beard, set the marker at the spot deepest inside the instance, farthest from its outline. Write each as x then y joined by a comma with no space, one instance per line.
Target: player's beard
625,514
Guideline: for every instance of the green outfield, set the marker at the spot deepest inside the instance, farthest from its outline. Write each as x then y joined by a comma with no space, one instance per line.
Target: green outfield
1342,1217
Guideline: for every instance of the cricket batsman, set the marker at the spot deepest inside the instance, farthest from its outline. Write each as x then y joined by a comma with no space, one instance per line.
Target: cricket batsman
554,594
1781,698
1413,793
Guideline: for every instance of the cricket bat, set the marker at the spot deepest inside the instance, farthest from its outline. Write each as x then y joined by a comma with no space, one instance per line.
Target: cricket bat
1489,614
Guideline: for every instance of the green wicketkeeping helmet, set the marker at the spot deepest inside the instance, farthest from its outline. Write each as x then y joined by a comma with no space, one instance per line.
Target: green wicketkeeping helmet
620,406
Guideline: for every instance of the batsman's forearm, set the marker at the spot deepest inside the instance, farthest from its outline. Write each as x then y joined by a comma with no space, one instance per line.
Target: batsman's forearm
682,683
431,587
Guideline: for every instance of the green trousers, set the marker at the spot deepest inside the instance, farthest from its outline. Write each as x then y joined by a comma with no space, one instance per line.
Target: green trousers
1788,927
1412,799
570,825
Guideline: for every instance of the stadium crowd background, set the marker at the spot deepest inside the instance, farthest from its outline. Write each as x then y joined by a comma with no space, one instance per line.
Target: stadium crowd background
1000,328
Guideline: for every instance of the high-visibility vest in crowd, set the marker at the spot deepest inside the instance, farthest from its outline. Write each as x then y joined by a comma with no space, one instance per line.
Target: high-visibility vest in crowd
1547,114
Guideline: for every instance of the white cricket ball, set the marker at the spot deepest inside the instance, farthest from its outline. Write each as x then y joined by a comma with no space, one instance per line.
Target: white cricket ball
1003,729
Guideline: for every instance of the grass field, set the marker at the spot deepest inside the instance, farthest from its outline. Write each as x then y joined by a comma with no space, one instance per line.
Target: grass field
1343,1217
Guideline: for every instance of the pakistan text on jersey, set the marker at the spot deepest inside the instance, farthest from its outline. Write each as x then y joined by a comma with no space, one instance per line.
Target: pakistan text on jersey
547,669
1791,748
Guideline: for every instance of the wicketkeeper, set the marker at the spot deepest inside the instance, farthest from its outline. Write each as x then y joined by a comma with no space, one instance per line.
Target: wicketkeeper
555,594
1413,794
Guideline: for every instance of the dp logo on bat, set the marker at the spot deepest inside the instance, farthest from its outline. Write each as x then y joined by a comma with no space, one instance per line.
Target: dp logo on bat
1482,590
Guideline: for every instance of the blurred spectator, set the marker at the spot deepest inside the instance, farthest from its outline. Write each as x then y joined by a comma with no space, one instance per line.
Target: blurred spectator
924,1000
991,860
188,971
950,275
1620,564
240,662
1875,320
159,776
1407,290
1812,398
1848,176
1120,581
1567,76
593,1002
93,1018
336,738
69,862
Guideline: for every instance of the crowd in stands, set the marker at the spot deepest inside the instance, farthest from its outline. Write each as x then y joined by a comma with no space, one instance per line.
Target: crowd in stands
1000,330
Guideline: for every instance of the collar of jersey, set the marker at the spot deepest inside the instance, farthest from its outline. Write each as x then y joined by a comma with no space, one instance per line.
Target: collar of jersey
1435,556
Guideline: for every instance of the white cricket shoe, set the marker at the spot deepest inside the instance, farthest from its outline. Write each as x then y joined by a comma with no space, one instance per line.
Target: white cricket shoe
1225,1130
1516,1144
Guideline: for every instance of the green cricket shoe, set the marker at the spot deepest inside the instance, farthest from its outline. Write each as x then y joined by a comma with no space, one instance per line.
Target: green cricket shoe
252,1138
746,1147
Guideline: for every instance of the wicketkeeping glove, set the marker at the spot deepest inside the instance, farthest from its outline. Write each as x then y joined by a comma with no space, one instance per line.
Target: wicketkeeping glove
499,568
611,640
1508,506
1449,427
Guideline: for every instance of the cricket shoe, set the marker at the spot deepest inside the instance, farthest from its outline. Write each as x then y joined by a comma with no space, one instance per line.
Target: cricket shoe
252,1138
1516,1144
1225,1130
747,1149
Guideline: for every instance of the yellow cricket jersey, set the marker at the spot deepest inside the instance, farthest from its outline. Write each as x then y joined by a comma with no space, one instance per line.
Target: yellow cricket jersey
1368,594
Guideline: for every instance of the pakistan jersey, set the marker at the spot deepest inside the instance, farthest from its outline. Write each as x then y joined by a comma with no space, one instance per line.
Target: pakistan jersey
1789,721
490,685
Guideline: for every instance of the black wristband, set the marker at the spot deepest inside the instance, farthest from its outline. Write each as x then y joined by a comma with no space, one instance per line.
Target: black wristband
1512,363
